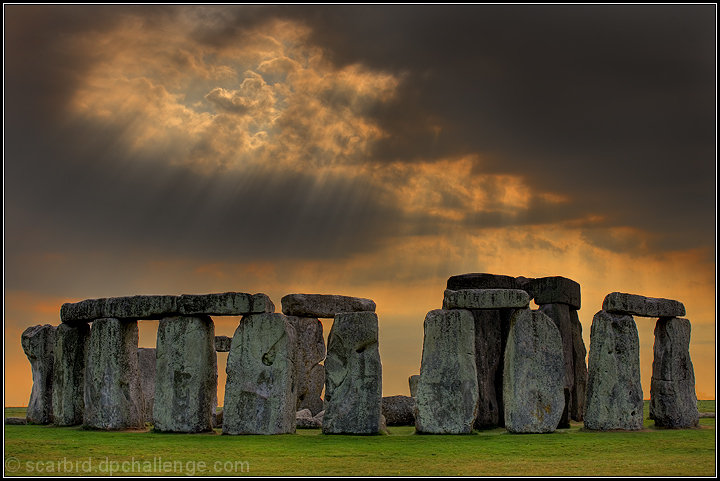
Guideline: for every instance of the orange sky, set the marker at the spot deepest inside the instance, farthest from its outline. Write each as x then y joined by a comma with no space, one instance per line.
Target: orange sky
370,152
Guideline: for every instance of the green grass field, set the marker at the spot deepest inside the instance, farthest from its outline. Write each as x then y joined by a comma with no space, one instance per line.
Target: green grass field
43,450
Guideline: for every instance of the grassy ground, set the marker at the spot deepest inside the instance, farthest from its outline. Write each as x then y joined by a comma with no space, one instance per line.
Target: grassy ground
651,452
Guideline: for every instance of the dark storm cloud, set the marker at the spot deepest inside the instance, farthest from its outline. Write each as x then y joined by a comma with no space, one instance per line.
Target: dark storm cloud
610,106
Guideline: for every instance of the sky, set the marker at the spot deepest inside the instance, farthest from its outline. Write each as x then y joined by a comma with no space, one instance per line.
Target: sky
364,150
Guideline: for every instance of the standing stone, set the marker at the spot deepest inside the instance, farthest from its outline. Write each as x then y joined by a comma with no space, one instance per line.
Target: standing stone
489,349
310,375
673,403
614,394
38,342
146,370
353,375
186,375
560,315
398,410
447,394
413,382
580,376
113,396
69,373
222,343
260,392
533,374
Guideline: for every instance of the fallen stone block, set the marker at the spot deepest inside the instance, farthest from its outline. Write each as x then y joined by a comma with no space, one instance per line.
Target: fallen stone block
481,281
485,299
217,420
614,394
701,415
533,391
222,343
635,305
68,395
398,410
260,391
38,343
324,305
305,420
224,304
673,403
15,421
555,290
447,394
353,375
113,395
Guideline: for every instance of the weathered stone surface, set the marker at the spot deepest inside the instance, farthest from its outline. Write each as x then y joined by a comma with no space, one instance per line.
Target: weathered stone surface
146,371
185,384
222,343
324,305
533,391
217,420
485,299
524,283
580,374
15,421
260,392
133,307
614,394
447,394
38,343
113,396
413,382
319,417
305,420
398,410
489,349
69,373
186,375
642,306
706,415
560,315
224,304
310,375
555,290
159,307
673,403
353,375
481,281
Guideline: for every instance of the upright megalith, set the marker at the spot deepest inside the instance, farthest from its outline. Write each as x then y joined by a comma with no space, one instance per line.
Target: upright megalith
324,305
353,375
146,370
533,374
310,375
673,403
399,410
614,394
492,299
413,383
186,375
560,315
580,376
447,393
113,396
69,373
38,343
222,343
260,392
